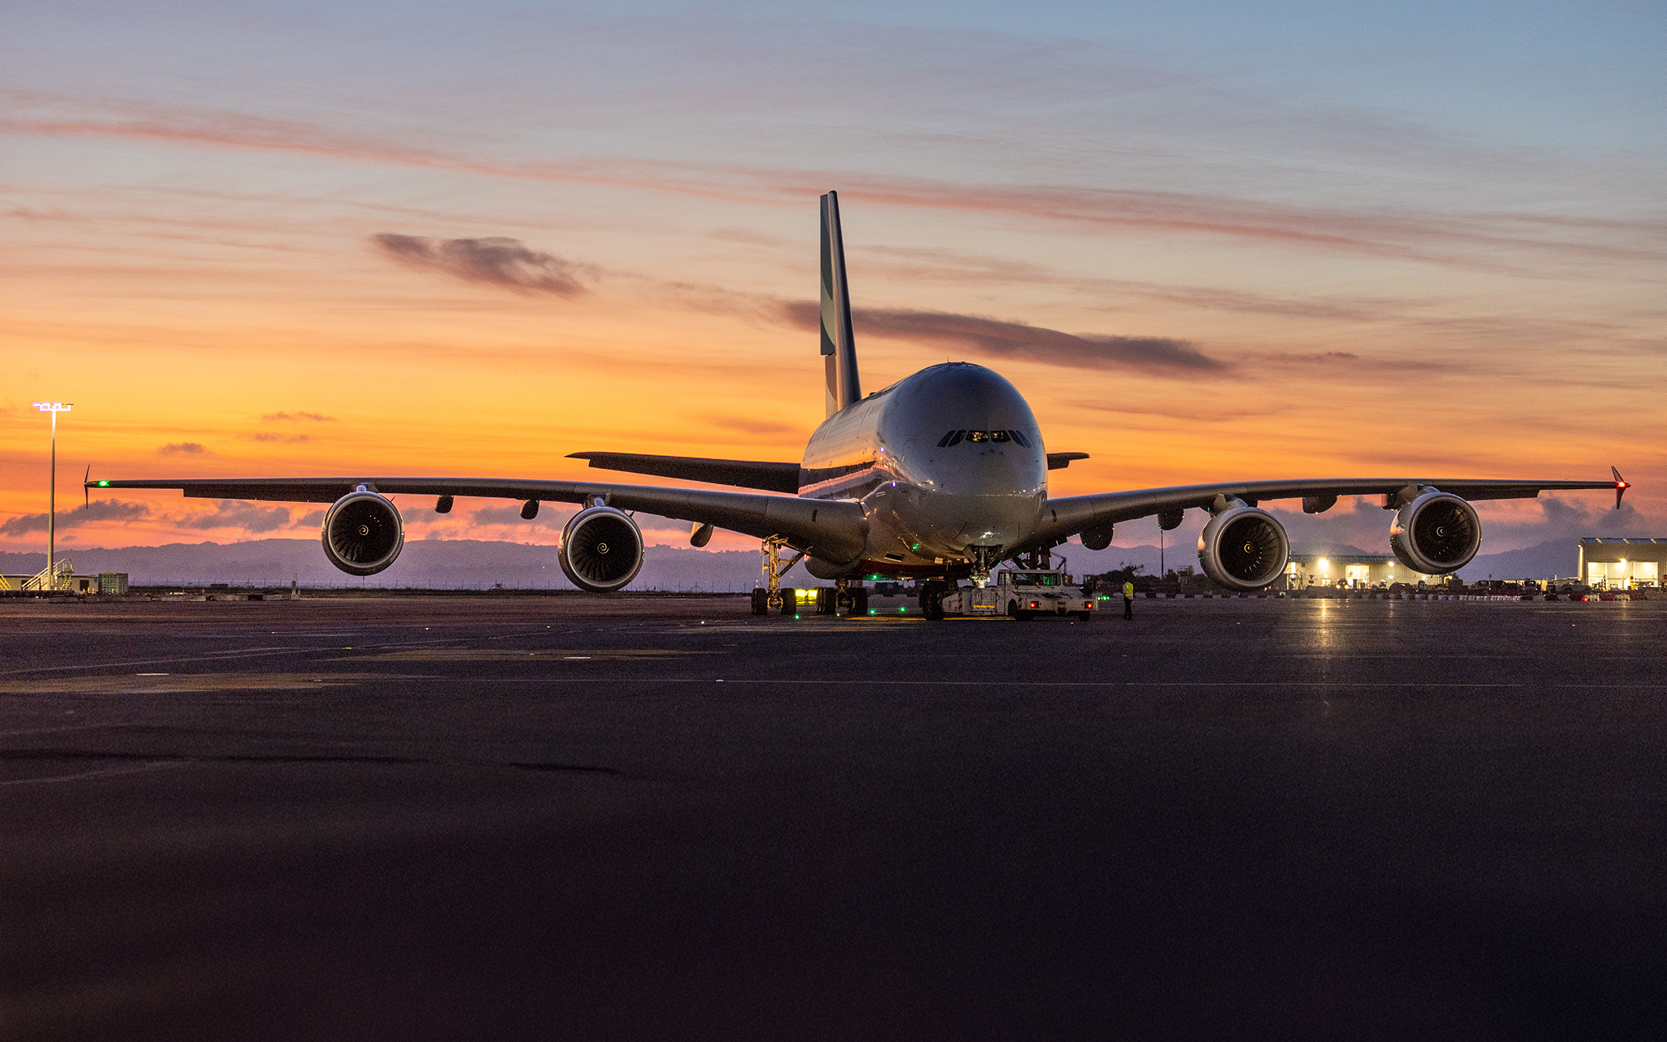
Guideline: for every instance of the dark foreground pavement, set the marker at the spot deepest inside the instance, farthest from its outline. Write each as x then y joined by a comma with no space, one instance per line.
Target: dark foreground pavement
662,819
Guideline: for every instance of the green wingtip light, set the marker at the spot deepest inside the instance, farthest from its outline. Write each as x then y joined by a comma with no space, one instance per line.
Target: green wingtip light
104,484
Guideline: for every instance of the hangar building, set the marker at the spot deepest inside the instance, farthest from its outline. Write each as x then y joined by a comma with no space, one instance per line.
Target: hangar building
1349,569
1622,564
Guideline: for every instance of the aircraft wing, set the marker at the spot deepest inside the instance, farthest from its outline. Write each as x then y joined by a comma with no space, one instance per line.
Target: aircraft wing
771,477
1070,515
834,530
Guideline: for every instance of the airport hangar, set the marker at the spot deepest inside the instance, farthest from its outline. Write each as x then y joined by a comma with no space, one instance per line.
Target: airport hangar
1605,562
1616,563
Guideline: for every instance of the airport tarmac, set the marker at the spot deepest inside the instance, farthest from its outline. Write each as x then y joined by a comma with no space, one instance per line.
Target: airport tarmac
662,818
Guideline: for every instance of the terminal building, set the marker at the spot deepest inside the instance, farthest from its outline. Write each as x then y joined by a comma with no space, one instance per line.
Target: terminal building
1613,563
1306,570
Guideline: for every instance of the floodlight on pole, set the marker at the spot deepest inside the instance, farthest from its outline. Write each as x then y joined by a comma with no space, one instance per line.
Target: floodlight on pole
54,408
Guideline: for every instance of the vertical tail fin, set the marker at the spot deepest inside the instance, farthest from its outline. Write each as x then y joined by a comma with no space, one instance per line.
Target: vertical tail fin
843,385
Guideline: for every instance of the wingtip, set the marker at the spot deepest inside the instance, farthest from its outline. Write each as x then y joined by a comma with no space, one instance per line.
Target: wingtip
1621,485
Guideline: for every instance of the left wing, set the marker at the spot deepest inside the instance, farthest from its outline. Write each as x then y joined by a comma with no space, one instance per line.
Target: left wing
835,531
1069,515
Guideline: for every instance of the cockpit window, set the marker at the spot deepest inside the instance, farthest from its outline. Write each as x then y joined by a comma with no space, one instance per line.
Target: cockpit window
956,437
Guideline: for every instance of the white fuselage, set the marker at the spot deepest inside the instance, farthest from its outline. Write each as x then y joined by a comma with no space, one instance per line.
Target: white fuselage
943,461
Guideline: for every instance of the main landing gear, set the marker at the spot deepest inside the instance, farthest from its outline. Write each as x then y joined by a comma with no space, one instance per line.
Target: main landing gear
772,597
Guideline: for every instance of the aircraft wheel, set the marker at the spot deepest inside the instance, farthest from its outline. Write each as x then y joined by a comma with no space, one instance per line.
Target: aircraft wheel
760,600
789,601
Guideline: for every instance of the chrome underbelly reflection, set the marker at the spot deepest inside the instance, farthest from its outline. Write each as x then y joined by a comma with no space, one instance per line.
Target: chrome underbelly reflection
914,525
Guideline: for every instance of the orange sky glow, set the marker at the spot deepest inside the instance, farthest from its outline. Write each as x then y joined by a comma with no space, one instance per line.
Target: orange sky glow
207,276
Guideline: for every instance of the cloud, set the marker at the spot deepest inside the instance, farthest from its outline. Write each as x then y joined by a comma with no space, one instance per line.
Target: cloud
97,510
232,513
992,337
296,417
748,425
283,437
492,261
186,448
550,515
1478,239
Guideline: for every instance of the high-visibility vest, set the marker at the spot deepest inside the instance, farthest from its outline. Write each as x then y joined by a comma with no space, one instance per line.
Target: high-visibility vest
1128,589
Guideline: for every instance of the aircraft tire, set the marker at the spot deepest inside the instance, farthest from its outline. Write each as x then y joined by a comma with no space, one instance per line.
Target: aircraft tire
760,600
789,601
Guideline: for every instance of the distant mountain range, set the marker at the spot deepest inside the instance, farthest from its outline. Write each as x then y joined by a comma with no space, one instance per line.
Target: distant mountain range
477,564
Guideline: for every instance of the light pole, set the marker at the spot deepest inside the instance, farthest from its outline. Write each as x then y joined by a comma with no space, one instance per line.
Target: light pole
52,492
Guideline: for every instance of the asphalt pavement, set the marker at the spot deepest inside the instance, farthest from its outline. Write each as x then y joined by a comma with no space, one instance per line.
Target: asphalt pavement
661,818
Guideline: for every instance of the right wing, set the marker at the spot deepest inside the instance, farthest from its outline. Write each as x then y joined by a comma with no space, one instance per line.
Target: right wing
1069,515
830,529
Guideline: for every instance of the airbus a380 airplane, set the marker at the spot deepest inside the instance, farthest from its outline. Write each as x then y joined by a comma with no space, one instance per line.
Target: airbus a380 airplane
940,476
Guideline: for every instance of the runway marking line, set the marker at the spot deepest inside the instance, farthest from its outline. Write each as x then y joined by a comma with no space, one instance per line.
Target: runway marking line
184,683
509,655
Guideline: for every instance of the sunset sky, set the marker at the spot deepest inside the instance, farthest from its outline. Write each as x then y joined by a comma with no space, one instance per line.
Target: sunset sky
1207,241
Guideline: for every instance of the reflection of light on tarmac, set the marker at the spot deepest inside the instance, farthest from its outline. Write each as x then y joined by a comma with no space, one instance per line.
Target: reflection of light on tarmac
1326,636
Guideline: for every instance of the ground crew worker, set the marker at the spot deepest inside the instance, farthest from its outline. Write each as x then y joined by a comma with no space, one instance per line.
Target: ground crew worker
1128,600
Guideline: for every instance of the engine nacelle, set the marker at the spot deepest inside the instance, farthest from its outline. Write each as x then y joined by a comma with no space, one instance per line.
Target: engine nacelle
1436,533
1243,548
601,549
1097,538
362,533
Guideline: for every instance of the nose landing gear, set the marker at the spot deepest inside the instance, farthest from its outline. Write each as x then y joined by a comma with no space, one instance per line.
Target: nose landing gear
983,558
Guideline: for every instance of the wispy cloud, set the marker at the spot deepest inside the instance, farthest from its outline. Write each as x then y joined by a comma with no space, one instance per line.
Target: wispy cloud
285,438
1473,239
231,513
550,515
97,510
297,416
496,261
1017,340
752,425
183,448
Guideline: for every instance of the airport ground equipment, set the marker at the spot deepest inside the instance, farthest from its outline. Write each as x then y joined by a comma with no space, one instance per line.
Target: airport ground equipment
1022,594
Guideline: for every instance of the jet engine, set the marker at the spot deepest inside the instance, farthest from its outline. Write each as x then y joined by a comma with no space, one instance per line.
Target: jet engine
601,549
1243,548
1435,533
1097,538
362,533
